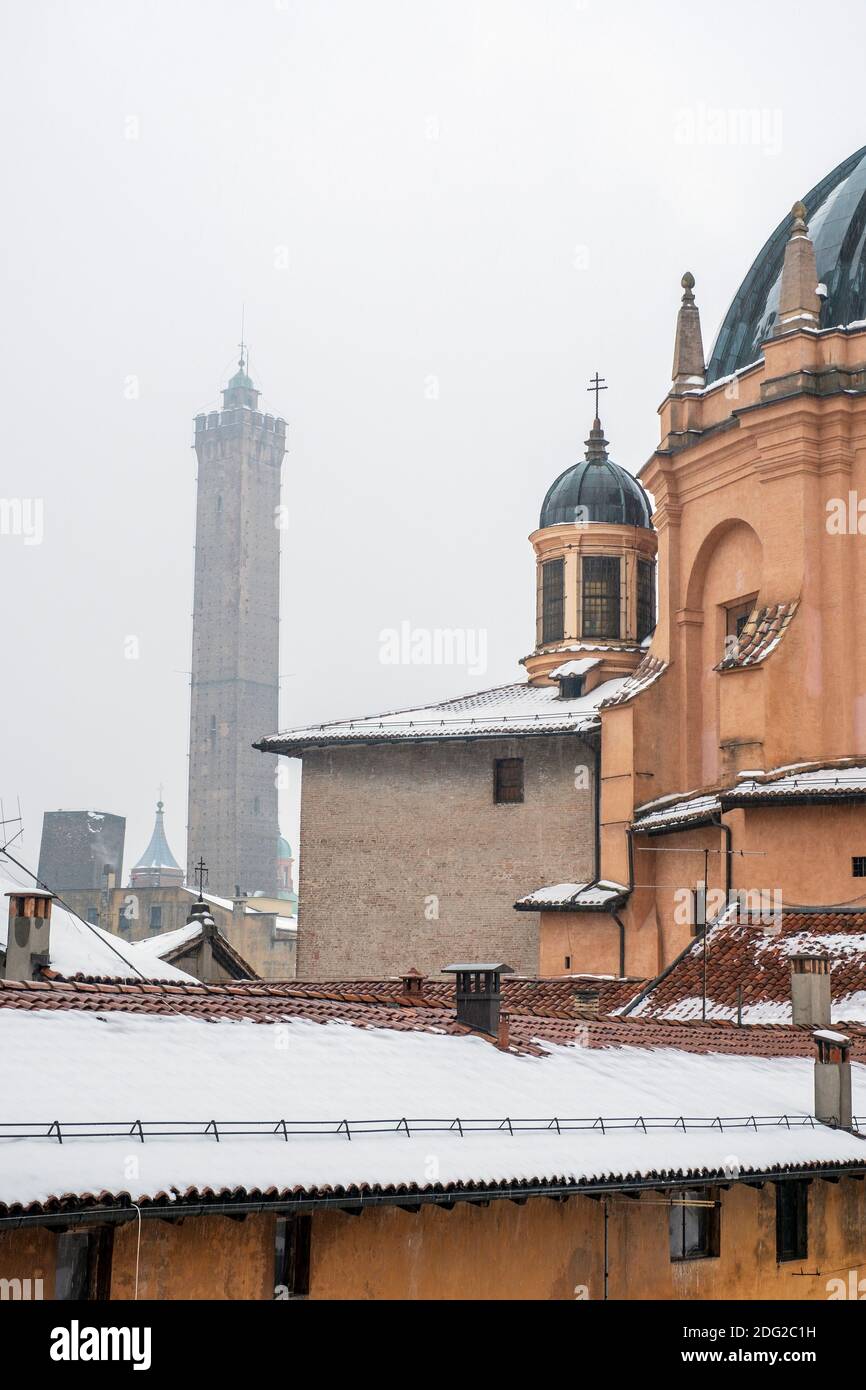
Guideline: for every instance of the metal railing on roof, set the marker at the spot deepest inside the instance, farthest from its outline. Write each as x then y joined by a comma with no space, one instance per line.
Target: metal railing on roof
218,1130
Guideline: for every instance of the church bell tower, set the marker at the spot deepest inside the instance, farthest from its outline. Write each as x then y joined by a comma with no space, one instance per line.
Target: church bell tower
233,821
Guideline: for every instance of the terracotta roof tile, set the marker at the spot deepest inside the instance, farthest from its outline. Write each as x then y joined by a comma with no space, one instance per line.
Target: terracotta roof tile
261,1002
647,672
762,632
746,953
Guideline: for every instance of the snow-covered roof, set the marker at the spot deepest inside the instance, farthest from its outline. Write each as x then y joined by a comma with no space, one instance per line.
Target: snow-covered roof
578,666
522,1119
154,948
507,709
574,897
835,781
76,947
748,966
647,673
823,782
676,812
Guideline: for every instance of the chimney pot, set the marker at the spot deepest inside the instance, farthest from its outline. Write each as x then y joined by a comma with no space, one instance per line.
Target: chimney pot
810,991
29,932
585,1001
412,981
478,994
503,1033
833,1080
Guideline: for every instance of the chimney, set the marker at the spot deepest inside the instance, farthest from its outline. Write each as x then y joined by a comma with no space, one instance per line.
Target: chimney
479,995
810,991
585,1001
413,983
503,1036
29,930
833,1080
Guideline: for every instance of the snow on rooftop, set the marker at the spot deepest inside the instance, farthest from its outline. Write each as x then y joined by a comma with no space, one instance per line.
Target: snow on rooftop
678,812
578,666
154,948
75,947
817,781
82,1067
520,708
576,895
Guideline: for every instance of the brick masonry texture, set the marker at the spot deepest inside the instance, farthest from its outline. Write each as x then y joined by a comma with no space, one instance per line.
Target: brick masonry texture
384,829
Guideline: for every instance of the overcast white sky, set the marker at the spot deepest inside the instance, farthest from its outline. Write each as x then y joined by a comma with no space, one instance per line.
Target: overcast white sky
443,216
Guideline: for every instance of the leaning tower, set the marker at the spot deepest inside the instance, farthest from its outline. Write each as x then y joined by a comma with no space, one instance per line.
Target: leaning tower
232,820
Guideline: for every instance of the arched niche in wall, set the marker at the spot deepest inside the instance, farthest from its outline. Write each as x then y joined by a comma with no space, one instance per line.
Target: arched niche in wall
724,585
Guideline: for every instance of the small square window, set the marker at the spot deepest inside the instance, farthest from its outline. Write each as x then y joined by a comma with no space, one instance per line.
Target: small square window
93,916
694,1224
508,781
858,866
792,1220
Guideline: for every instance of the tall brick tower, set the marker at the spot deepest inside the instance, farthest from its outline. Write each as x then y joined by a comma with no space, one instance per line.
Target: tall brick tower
235,644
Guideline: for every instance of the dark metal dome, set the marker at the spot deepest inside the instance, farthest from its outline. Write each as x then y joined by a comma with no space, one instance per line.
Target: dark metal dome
599,488
836,213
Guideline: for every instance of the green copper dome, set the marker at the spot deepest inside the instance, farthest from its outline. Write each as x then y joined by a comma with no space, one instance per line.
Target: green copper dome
596,489
836,214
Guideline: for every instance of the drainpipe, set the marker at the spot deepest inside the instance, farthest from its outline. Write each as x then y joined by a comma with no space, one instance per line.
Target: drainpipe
729,858
616,917
597,813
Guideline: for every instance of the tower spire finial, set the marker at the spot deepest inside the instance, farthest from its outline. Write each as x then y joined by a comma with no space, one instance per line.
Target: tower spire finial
596,445
689,369
596,384
243,347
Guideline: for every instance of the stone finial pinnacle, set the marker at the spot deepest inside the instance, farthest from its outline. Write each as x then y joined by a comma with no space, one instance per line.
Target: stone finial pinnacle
689,369
799,305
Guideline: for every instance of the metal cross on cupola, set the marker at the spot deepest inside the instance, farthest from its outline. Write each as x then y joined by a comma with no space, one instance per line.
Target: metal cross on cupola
596,384
201,877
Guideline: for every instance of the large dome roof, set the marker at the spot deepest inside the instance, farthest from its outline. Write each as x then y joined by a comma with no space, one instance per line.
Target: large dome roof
836,209
607,492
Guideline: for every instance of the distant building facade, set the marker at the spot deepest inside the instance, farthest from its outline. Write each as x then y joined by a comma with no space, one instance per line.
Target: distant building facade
421,828
81,850
232,819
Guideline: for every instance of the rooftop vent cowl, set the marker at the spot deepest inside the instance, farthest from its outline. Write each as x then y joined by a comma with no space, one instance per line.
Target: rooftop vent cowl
478,994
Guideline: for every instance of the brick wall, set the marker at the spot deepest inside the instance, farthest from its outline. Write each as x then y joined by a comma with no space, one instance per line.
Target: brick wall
392,835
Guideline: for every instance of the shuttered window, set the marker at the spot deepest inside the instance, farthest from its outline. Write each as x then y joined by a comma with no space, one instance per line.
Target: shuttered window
508,781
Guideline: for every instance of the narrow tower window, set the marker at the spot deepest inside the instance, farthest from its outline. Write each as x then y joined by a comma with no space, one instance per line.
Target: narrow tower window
552,600
601,596
646,598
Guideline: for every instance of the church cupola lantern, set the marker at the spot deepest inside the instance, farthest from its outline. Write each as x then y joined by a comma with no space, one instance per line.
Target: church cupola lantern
595,569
